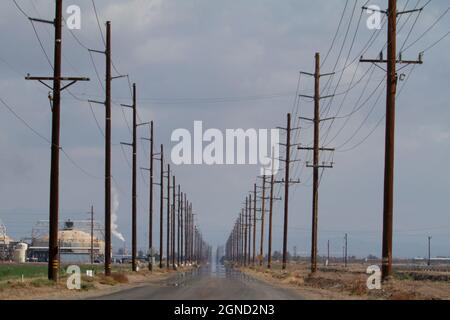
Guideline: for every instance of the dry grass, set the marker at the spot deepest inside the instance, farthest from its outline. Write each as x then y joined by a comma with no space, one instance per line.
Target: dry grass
120,278
41,288
336,282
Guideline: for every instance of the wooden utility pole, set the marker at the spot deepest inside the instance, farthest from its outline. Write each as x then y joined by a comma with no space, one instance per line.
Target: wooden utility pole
286,189
263,214
346,250
53,247
107,104
246,214
269,245
173,221
254,224
134,187
271,200
179,226
92,235
108,115
134,182
392,78
150,204
328,252
151,250
287,181
192,232
429,251
161,209
188,233
316,158
168,218
250,224
242,232
183,230
250,227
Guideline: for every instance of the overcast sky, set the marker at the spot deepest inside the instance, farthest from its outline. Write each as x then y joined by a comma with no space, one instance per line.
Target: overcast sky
233,64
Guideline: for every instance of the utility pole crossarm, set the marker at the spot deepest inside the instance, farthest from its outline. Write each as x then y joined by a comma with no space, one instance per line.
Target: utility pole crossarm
72,80
126,144
420,61
321,149
96,102
97,51
126,106
42,21
321,166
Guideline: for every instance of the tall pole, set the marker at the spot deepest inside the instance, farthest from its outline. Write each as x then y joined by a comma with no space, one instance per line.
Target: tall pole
134,187
53,261
315,165
245,231
328,251
316,157
263,214
250,224
150,205
133,144
391,92
272,182
192,232
185,206
286,189
161,210
241,236
108,245
193,229
250,227
345,250
429,251
168,218
173,220
388,204
53,243
179,227
236,241
92,235
254,223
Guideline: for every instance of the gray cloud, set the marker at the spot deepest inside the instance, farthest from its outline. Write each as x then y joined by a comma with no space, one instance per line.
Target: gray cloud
211,49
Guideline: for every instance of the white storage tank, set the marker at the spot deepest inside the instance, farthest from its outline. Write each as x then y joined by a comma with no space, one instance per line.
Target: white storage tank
20,253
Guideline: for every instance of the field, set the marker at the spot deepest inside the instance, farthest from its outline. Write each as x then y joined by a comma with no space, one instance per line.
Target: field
34,284
9,271
337,282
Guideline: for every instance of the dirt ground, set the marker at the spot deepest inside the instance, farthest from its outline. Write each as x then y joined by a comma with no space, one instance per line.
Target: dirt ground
42,289
338,283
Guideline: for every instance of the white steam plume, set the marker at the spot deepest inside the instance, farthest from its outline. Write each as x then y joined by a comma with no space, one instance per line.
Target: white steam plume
115,209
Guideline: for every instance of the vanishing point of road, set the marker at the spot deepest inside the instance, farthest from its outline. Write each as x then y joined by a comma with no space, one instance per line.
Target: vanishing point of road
207,283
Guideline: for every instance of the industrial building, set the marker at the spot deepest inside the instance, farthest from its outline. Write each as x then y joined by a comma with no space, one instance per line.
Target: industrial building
5,243
79,242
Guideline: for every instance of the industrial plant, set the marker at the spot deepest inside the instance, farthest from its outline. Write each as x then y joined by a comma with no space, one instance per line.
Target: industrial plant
79,242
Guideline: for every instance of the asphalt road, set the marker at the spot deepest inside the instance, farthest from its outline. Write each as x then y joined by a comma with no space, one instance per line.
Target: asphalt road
207,283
